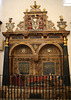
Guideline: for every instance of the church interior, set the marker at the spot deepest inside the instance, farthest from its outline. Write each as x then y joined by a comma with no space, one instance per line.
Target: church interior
35,50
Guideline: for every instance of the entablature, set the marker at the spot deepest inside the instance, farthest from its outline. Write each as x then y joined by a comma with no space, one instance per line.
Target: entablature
35,33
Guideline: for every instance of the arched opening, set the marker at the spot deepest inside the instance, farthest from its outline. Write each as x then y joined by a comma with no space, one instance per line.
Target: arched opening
50,60
20,59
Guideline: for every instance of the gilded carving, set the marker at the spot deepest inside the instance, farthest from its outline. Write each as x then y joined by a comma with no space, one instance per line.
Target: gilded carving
6,42
26,10
65,41
44,9
35,6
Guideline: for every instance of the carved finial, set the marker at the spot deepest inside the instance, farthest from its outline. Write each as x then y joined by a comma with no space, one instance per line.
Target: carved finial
10,20
26,10
35,6
44,9
34,2
61,18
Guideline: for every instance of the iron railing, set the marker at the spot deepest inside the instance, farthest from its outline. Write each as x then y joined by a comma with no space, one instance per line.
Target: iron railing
22,87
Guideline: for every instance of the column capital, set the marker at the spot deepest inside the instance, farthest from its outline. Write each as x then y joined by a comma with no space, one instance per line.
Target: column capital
6,42
65,41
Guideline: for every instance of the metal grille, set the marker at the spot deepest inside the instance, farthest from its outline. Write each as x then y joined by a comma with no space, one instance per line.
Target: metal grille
23,87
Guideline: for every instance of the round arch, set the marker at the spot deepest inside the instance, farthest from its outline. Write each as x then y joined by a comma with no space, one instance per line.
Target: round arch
55,44
21,43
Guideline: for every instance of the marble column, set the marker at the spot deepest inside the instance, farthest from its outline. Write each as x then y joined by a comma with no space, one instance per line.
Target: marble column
66,63
6,64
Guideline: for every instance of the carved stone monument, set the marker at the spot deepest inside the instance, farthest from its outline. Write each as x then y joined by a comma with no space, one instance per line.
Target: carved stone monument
36,46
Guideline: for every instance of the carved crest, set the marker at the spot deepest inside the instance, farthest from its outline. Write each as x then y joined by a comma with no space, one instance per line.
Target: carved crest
10,25
36,21
61,23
